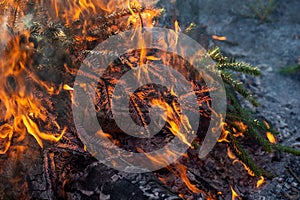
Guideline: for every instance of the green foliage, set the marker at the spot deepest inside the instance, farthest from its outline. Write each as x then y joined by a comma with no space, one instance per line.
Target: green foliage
236,114
225,65
262,9
290,70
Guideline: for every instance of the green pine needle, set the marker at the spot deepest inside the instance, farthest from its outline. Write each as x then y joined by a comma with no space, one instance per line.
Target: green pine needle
236,113
290,70
238,87
240,67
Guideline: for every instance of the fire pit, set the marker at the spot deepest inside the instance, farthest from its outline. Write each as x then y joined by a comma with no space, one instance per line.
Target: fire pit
98,102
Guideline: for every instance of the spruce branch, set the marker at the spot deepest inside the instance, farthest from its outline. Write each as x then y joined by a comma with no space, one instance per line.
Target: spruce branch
239,67
253,132
242,154
262,9
238,86
287,149
290,70
236,114
216,54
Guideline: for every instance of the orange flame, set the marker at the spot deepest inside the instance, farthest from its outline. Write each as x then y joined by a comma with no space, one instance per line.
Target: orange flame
236,160
225,133
221,38
171,119
177,169
181,170
21,109
243,127
230,154
267,124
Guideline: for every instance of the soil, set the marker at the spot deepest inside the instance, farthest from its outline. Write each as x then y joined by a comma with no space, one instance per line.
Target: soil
271,45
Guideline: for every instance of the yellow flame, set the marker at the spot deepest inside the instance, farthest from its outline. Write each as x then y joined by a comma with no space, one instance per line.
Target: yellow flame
21,108
260,181
234,195
177,30
67,87
153,58
271,137
250,172
177,27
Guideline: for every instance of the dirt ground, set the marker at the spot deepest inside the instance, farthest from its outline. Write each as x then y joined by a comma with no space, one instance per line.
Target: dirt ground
271,45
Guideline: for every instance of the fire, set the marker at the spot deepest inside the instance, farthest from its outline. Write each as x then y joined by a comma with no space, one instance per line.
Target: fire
181,171
21,109
236,160
177,169
260,181
67,87
242,127
33,129
221,38
140,19
234,195
78,8
271,137
70,10
225,133
230,154
177,30
171,119
267,124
